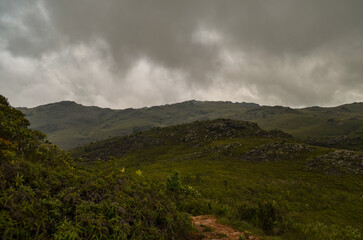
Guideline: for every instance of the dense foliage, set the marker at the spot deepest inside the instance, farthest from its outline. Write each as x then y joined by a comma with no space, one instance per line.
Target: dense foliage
43,195
262,181
256,180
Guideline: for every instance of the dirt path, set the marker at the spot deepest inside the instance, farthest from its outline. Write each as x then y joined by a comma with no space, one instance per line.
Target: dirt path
208,226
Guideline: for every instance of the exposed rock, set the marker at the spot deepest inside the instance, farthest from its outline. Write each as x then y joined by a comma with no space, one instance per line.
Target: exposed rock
227,149
338,162
196,134
226,128
275,152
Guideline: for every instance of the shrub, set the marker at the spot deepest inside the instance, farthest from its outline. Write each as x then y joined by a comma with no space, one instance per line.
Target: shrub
44,195
264,216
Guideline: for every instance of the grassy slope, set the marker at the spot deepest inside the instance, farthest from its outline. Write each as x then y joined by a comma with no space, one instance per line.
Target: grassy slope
69,124
317,122
217,167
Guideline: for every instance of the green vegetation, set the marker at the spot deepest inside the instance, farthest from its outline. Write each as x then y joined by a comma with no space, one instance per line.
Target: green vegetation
45,195
68,124
145,185
262,181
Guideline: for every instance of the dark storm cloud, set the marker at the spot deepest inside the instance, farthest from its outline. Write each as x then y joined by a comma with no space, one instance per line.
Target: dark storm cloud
135,53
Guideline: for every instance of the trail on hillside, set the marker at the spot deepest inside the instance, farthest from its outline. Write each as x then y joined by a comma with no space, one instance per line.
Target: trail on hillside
209,227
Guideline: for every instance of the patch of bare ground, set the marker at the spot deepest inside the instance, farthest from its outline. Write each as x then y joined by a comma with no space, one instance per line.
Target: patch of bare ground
210,228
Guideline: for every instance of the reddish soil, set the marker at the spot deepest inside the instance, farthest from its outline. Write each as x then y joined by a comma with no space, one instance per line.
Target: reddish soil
209,228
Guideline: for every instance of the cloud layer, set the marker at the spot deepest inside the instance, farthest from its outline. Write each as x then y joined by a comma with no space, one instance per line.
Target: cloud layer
140,53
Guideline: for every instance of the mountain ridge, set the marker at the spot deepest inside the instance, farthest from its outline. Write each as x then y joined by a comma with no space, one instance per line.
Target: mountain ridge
69,124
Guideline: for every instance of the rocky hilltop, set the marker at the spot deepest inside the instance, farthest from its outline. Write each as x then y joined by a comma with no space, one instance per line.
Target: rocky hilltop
338,162
199,132
69,124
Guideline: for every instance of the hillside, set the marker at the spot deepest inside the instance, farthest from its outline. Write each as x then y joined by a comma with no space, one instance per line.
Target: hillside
45,195
69,124
144,186
262,181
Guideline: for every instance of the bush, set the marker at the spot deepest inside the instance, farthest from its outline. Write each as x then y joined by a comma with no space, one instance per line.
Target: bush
43,195
264,216
173,183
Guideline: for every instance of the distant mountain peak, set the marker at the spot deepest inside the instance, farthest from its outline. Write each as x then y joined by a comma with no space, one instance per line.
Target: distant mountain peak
68,102
69,124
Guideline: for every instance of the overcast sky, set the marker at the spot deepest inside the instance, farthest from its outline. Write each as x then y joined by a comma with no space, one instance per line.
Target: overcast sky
135,53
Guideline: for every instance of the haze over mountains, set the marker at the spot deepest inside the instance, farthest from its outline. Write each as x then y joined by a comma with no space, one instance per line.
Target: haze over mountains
69,124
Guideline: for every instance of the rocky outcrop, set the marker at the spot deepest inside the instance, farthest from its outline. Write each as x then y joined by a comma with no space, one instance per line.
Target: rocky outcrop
275,152
226,149
196,134
338,162
226,128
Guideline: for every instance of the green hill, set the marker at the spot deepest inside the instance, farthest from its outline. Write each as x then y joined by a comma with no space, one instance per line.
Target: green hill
69,124
45,195
264,181
145,185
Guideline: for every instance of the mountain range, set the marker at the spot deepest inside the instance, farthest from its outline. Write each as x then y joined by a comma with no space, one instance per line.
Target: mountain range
69,124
